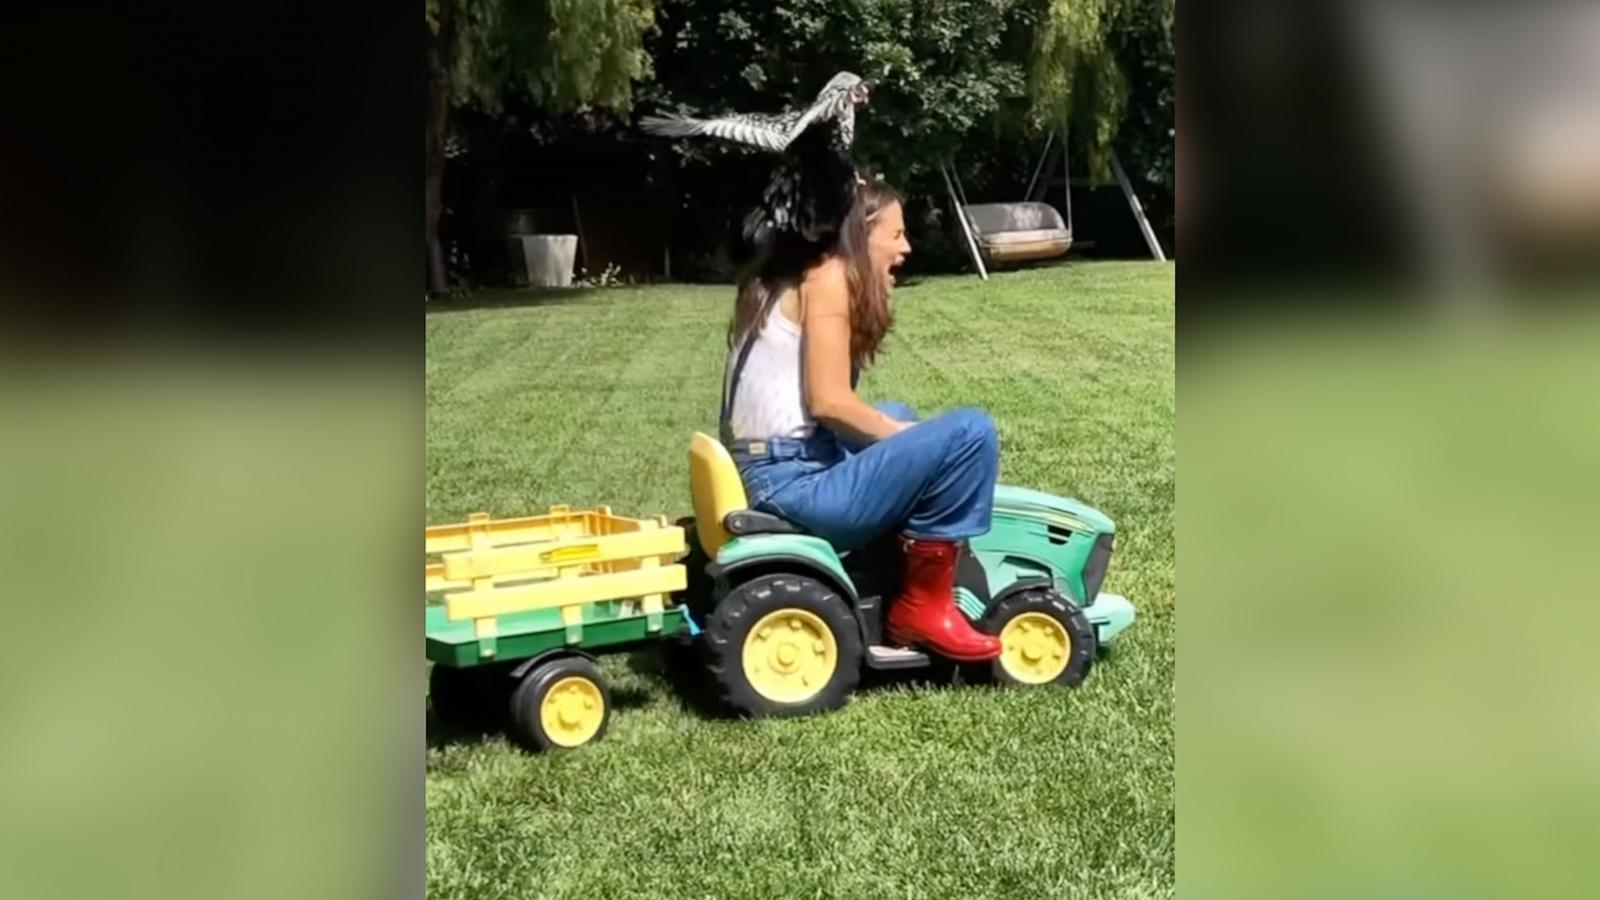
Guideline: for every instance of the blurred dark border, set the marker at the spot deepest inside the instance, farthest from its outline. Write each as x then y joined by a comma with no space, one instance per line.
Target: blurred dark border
242,167
207,179
1281,180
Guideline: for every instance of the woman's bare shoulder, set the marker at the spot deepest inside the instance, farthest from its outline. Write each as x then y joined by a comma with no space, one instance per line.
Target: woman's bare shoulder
829,269
825,287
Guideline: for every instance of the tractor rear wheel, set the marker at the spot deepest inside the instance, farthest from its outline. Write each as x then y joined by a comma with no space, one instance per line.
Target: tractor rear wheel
783,645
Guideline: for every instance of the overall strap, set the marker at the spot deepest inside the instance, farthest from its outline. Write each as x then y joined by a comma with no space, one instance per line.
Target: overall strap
731,389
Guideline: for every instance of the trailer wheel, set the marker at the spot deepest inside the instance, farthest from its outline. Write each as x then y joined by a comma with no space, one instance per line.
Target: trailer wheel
783,645
561,704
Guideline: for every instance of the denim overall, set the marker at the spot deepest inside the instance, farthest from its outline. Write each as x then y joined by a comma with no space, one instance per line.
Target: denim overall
932,481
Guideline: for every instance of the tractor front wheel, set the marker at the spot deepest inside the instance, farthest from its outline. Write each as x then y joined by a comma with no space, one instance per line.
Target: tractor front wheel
1044,637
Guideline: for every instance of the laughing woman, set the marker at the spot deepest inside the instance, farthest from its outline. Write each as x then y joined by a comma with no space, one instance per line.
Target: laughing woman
806,322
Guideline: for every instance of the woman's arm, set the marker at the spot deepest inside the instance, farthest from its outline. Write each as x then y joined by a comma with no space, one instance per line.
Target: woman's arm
825,305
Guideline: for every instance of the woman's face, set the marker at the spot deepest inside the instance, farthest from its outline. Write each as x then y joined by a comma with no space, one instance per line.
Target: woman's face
886,242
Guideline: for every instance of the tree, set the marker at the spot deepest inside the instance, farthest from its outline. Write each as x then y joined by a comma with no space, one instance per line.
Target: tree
969,81
1143,44
953,78
1084,53
562,54
946,67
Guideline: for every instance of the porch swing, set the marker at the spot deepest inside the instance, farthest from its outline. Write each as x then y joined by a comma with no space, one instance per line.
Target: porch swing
1030,229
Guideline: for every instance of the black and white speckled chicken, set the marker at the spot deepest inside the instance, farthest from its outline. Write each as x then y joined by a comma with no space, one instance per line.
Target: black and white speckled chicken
815,182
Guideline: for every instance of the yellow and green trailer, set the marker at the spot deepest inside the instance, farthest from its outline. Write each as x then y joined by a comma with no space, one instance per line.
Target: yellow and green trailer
518,609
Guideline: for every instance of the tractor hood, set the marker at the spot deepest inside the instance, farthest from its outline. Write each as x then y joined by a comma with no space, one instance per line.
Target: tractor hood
1073,514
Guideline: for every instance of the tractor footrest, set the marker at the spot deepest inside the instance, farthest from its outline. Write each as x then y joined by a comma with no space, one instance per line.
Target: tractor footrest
880,656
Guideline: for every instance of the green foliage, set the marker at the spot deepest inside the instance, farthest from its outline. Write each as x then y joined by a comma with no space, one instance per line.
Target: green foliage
953,78
610,276
969,81
571,53
1080,59
950,69
947,67
1143,43
563,54
974,81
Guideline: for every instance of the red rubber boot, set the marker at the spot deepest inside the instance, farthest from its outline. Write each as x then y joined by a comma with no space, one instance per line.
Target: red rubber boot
925,613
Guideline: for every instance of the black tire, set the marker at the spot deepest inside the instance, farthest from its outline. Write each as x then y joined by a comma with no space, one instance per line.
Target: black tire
526,725
469,699
1076,626
729,627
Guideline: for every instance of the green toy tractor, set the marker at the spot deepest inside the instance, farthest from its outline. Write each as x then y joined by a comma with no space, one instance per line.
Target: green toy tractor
520,609
787,623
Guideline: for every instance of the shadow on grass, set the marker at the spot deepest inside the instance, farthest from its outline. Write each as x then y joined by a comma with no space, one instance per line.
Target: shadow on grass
688,681
485,720
1036,265
440,734
940,676
684,674
515,298
629,698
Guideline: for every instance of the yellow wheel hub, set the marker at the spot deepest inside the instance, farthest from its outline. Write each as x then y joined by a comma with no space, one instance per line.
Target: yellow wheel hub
790,656
572,711
1035,648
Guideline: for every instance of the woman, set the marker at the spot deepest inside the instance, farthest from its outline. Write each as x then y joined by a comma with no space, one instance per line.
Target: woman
807,320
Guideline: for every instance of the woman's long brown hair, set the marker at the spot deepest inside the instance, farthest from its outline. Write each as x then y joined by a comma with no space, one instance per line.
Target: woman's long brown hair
785,265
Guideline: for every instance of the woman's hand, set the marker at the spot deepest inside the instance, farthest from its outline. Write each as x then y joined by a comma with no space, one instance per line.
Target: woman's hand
825,310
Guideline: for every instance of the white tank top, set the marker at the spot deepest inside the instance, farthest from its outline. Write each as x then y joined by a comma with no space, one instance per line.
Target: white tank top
770,401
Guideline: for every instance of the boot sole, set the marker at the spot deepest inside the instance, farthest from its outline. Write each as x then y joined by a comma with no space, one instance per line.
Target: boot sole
899,640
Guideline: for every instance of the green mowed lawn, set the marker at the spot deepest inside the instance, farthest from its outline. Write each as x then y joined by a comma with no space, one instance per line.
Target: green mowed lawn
910,790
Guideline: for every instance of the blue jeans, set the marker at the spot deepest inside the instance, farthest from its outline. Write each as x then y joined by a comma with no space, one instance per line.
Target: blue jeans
933,481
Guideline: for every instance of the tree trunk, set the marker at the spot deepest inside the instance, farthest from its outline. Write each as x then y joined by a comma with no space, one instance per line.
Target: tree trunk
433,172
433,201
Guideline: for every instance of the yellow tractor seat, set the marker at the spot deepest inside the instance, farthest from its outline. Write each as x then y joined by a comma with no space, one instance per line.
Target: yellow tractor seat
721,508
